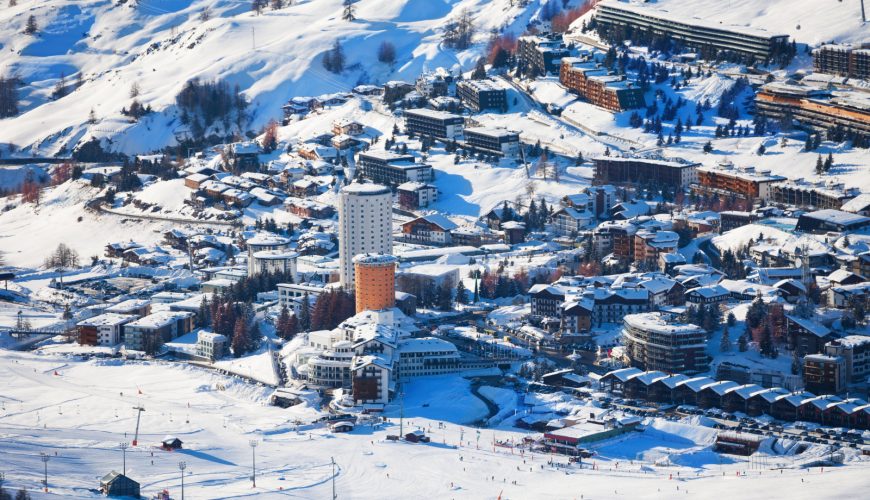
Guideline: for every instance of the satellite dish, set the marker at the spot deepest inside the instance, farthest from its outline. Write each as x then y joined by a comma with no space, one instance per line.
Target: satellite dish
798,262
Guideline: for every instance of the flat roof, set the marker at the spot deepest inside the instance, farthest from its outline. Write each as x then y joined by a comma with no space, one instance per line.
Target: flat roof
432,113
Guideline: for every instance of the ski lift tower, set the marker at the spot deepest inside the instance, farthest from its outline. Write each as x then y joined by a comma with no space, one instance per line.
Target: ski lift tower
139,409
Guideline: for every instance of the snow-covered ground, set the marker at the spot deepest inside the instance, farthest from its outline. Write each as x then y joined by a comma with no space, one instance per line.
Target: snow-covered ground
78,411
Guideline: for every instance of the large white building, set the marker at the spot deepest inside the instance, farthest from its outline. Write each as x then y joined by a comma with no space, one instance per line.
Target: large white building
370,353
364,225
269,253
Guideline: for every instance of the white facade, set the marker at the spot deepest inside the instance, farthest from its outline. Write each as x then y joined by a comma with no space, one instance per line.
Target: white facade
262,244
364,225
273,262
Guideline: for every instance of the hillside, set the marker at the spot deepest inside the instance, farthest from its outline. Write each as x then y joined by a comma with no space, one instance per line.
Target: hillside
161,44
108,46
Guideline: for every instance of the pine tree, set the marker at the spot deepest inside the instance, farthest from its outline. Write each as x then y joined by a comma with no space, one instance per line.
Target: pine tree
305,314
348,13
708,147
761,150
731,320
829,162
461,293
204,315
240,337
22,495
820,166
445,298
725,344
387,53
31,27
479,72
282,325
742,344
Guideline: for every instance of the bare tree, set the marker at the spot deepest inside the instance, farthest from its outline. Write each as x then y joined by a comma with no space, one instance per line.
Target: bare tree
62,258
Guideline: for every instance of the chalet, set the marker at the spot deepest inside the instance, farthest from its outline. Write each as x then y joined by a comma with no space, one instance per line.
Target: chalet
575,320
213,189
170,443
858,205
569,221
416,436
237,198
788,407
309,209
304,188
343,141
843,297
342,426
145,256
115,484
806,336
416,195
430,229
514,232
498,215
108,173
371,90
396,90
245,155
711,294
564,378
347,126
842,277
116,250
176,238
761,402
790,289
546,300
194,181
662,389
336,99
265,197
315,151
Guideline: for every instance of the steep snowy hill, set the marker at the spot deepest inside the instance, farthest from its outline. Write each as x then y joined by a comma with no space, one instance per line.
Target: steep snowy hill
107,46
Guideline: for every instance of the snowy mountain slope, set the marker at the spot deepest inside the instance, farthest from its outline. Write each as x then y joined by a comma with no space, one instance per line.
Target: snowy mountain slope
161,44
806,21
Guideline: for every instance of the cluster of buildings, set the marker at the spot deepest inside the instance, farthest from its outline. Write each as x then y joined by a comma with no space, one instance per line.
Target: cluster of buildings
146,325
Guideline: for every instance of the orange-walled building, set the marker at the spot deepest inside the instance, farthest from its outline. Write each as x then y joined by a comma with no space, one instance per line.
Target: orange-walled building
375,284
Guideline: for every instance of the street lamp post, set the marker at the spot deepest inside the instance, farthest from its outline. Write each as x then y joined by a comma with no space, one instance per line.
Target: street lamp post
123,447
253,445
44,457
333,478
181,467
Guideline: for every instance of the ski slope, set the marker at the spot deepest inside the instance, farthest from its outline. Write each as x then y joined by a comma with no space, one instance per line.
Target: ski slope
161,44
79,411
